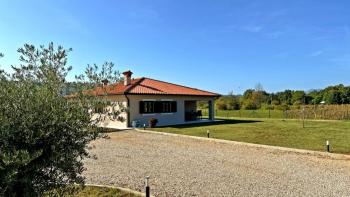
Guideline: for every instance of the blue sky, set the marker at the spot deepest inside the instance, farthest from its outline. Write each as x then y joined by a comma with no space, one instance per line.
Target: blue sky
213,45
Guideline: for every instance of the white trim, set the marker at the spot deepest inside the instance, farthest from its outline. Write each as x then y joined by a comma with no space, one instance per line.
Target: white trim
168,113
148,114
167,99
148,99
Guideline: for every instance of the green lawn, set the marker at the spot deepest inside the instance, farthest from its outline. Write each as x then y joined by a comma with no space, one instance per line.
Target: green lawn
276,132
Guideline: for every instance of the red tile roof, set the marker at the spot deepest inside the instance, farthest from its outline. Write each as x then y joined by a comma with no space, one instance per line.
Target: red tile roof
151,86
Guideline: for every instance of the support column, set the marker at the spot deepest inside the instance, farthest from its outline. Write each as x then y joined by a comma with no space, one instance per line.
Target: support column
211,109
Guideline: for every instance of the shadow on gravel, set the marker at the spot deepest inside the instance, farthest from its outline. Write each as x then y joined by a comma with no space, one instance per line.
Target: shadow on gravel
111,130
223,122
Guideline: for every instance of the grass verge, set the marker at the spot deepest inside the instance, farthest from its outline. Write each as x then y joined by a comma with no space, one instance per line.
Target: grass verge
95,191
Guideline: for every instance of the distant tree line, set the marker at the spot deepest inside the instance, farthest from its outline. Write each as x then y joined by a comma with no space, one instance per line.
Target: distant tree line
258,98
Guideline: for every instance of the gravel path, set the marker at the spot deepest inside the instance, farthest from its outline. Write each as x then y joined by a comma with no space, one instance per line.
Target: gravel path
181,166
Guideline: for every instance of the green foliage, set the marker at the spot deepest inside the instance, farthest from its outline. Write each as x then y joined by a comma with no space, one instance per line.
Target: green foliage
43,136
152,122
253,99
298,97
202,104
282,107
1,71
230,102
250,104
257,98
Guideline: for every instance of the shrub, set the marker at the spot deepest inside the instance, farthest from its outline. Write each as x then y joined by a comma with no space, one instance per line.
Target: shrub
283,107
249,105
266,106
44,136
153,122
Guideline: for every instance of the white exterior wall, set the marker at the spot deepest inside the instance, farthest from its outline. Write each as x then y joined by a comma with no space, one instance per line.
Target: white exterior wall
115,123
163,118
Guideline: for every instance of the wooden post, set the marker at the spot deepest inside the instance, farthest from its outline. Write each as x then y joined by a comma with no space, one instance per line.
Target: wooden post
211,110
304,117
270,106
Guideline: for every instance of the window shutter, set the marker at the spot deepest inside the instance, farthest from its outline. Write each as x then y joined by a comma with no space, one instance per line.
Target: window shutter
173,106
157,107
142,107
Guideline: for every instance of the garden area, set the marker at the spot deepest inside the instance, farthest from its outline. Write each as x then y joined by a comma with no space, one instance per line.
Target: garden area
311,112
275,132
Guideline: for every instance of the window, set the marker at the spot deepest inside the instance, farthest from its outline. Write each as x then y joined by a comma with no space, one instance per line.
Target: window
149,107
166,107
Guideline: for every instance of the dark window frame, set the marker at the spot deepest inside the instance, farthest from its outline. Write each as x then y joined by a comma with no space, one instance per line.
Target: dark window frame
148,107
155,107
166,106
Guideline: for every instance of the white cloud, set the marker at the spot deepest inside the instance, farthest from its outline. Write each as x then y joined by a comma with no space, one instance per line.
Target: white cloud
253,28
316,53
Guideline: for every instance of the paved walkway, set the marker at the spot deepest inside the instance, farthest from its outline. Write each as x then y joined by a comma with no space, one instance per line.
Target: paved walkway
181,166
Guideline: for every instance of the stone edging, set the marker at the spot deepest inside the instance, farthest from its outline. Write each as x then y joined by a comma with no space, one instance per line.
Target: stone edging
126,190
293,150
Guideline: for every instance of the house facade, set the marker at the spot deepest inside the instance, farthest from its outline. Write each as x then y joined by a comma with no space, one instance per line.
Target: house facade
145,98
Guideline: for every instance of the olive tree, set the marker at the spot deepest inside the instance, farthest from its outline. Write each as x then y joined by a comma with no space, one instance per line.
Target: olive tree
44,135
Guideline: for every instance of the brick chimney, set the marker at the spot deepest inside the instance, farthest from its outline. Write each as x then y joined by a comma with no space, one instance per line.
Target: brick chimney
127,77
105,82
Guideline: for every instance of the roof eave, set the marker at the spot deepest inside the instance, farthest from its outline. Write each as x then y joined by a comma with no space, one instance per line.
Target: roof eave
216,95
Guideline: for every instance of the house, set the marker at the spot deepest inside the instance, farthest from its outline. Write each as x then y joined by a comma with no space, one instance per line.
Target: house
147,98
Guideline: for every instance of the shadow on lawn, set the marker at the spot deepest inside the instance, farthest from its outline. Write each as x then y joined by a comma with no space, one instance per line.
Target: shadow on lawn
222,122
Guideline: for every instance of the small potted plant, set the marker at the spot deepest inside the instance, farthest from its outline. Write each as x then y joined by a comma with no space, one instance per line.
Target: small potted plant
152,122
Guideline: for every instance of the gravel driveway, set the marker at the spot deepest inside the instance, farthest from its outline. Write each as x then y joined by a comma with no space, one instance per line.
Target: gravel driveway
181,166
